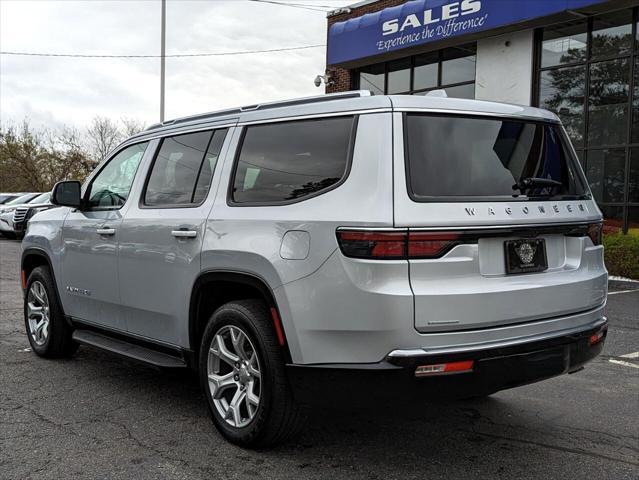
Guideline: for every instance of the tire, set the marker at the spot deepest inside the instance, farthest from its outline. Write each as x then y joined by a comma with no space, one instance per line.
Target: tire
53,338
276,418
9,235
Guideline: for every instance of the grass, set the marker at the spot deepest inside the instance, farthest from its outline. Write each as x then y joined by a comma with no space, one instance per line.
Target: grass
622,254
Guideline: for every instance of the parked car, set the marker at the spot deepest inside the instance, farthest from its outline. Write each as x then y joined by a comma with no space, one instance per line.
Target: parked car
23,213
7,210
331,248
7,197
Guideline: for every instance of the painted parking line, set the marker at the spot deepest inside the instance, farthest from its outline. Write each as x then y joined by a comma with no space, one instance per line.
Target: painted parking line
625,364
623,291
629,356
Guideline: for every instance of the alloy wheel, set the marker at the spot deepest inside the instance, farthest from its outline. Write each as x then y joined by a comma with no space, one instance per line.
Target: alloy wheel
38,313
234,376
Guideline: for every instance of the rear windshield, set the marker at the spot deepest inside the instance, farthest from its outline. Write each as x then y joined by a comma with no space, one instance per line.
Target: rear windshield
453,156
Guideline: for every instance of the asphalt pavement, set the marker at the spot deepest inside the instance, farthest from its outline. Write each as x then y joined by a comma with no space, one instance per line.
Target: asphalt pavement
100,416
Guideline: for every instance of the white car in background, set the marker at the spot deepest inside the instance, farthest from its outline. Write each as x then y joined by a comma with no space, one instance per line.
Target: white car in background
7,210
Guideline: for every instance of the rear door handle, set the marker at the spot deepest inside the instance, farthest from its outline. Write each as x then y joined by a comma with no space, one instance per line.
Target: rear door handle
184,233
105,231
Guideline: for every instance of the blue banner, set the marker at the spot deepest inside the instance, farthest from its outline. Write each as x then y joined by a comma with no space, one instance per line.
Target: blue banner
422,21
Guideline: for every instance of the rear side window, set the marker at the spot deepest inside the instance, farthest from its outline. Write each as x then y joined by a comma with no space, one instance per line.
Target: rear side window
287,161
453,156
183,169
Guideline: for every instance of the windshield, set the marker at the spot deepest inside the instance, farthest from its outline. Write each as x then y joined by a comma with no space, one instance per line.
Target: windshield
42,198
21,199
454,156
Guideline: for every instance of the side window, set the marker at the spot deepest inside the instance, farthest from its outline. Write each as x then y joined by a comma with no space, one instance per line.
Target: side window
281,162
110,188
182,171
208,167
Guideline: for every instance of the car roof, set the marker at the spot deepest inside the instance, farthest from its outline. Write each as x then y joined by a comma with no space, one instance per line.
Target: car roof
347,103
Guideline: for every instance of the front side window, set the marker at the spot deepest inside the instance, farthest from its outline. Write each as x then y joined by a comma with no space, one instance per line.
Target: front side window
183,169
282,162
110,188
454,156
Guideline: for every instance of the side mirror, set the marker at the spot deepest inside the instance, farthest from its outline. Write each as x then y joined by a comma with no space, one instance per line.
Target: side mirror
67,194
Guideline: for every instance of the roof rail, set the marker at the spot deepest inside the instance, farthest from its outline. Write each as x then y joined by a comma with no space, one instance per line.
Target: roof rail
264,106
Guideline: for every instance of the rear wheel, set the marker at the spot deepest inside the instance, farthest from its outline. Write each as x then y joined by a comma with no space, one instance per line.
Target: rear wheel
243,379
48,331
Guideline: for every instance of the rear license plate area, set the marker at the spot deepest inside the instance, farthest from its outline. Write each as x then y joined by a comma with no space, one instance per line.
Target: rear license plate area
525,255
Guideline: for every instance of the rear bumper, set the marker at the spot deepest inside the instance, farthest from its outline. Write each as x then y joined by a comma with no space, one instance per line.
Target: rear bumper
496,367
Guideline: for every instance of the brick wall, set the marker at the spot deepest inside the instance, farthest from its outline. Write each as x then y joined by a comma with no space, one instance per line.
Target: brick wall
342,78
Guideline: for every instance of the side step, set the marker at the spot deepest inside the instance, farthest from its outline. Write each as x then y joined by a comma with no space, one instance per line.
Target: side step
126,349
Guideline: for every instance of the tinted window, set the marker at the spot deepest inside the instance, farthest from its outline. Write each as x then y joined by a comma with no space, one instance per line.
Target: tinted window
176,168
451,156
111,187
208,166
285,161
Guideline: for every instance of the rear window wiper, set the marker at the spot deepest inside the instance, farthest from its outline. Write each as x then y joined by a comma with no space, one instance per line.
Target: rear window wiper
533,182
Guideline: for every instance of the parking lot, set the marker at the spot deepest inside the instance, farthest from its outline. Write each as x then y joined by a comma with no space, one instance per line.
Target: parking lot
99,416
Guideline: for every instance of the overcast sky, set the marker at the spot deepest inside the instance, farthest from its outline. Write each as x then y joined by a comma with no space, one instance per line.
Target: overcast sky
53,91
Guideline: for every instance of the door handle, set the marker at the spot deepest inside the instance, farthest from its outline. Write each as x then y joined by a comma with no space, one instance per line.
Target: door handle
184,233
105,231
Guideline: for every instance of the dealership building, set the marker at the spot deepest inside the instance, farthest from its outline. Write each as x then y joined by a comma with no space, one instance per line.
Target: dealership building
578,58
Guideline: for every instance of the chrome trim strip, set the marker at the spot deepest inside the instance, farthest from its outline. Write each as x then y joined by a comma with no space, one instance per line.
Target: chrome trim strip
420,352
475,227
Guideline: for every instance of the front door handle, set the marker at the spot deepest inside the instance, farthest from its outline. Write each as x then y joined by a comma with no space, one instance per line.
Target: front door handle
105,231
184,233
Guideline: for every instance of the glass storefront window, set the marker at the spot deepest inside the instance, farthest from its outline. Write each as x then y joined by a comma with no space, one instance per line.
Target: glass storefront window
633,179
612,34
562,90
373,78
606,174
399,76
608,102
426,71
458,65
584,74
452,69
564,44
462,91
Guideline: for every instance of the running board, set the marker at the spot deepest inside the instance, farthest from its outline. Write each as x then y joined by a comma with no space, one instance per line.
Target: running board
129,350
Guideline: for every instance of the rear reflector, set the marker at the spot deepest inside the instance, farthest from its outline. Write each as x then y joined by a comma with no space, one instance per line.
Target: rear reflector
595,338
402,245
277,325
444,368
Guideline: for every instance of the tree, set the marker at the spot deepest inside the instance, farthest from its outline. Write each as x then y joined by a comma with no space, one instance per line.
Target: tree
103,135
131,126
34,160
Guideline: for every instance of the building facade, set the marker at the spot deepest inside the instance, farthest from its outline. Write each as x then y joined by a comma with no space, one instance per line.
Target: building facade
578,58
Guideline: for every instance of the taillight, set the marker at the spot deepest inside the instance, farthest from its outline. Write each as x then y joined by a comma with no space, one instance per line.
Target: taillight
430,244
401,245
375,245
594,232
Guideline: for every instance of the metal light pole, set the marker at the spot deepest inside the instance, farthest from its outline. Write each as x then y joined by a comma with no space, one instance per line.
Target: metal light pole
162,60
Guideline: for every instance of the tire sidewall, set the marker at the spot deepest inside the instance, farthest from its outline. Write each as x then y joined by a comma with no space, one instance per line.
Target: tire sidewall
42,275
229,315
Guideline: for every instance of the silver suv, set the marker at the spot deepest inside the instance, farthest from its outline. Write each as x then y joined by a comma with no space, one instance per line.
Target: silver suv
294,251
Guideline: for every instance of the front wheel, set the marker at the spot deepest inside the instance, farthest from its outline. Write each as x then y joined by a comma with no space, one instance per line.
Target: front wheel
48,331
243,378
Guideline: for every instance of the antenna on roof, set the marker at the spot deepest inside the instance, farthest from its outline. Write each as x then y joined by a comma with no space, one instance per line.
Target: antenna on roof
441,93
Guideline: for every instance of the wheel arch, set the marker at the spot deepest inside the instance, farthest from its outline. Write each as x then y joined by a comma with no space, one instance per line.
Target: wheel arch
214,288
